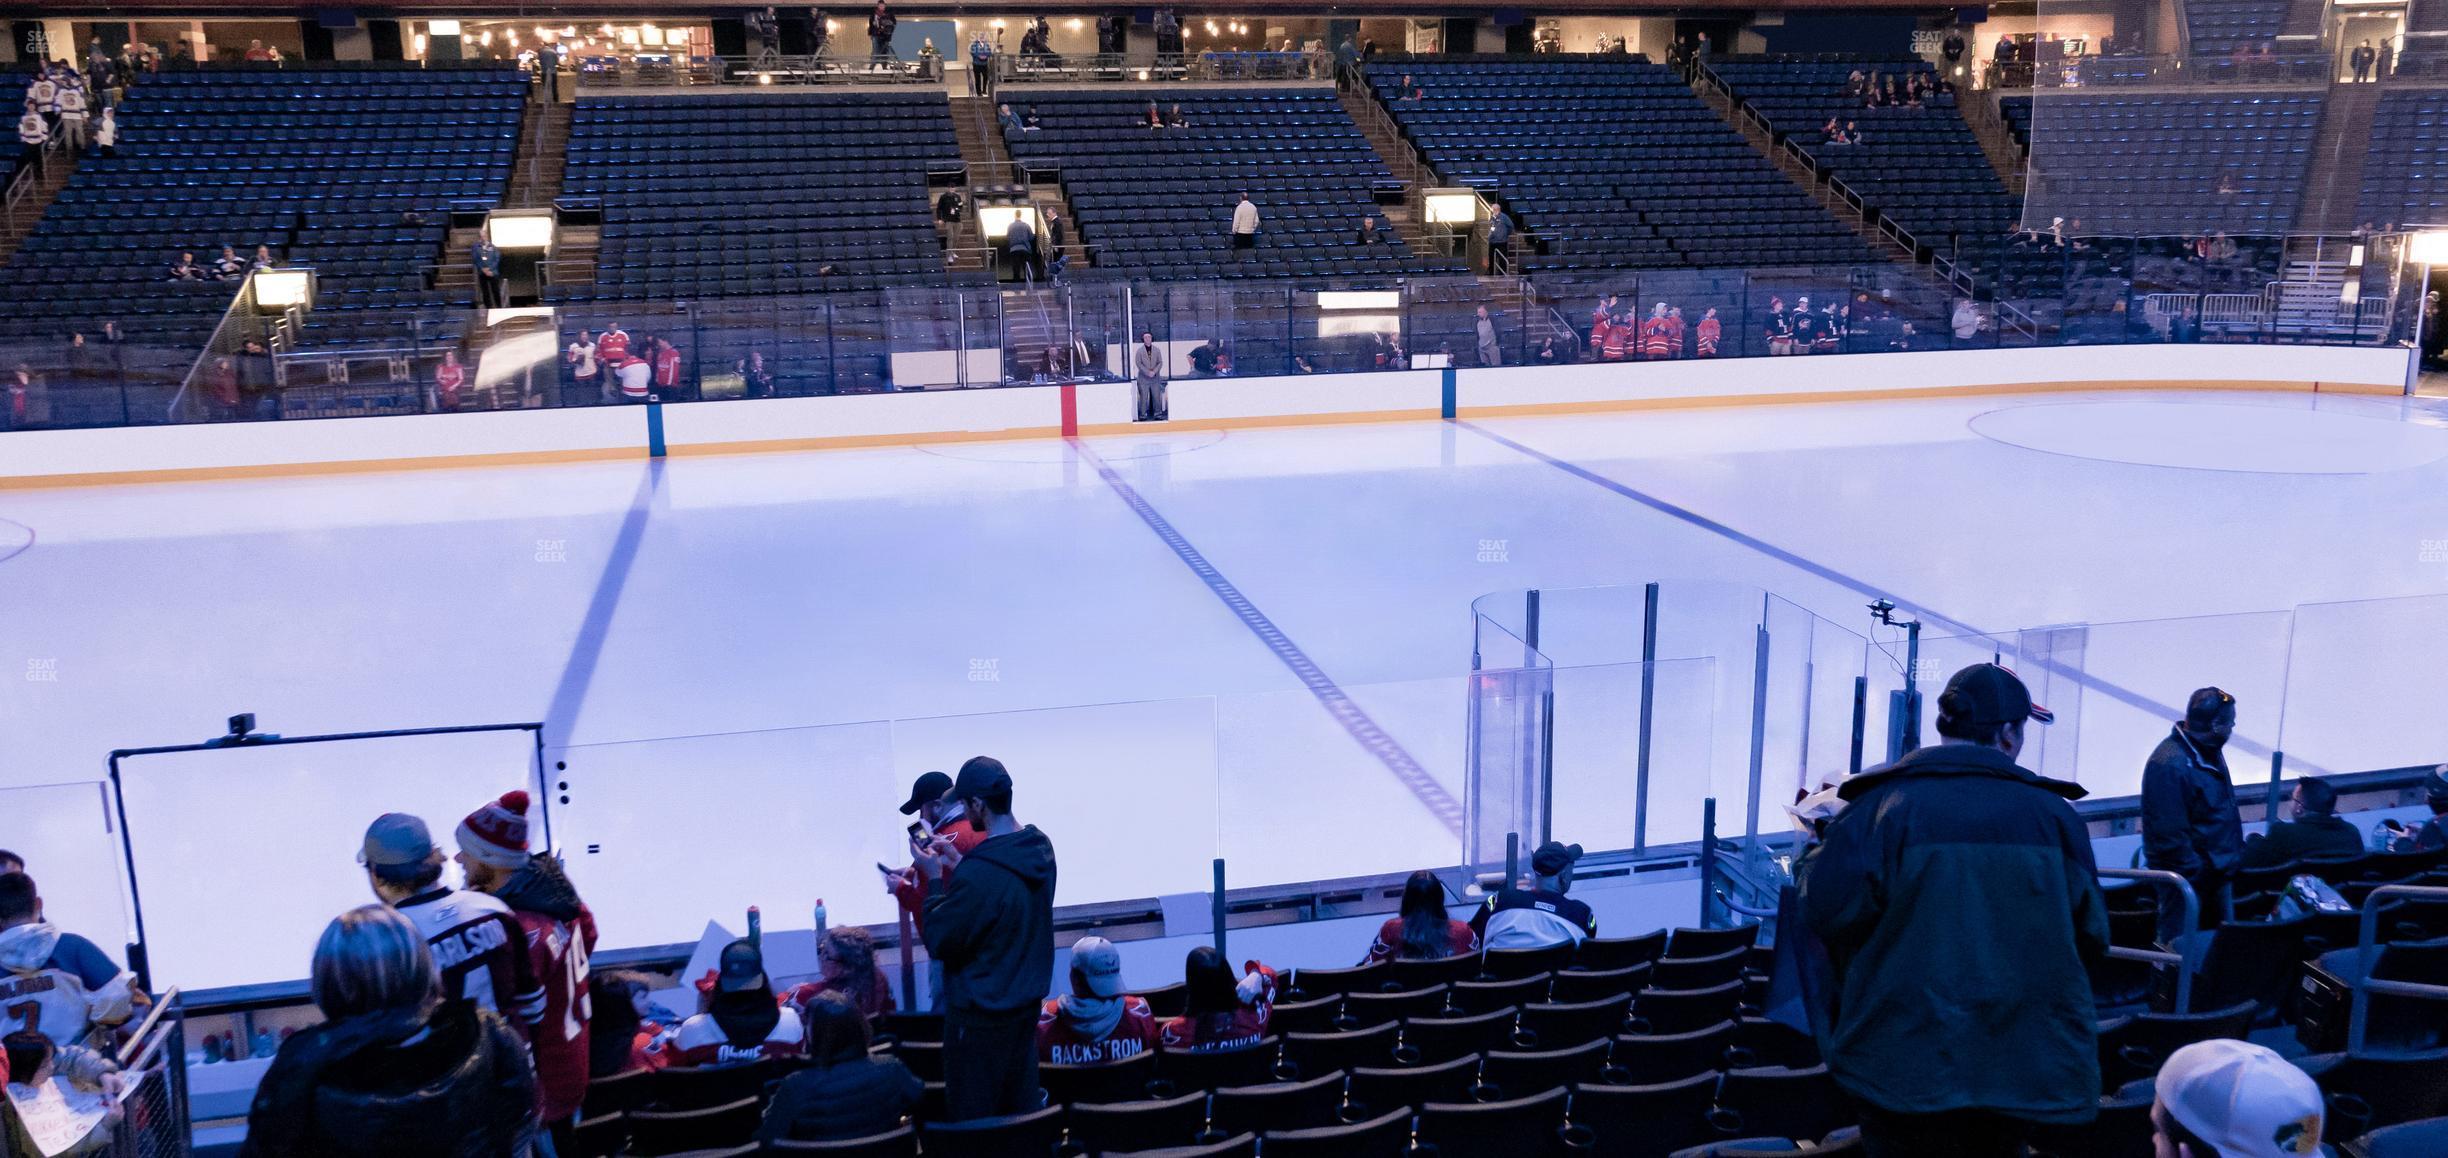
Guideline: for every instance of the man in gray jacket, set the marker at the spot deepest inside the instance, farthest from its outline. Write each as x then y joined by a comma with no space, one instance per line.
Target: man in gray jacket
1148,371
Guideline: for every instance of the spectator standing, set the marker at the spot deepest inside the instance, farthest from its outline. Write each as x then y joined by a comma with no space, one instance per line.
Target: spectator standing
993,925
106,133
1148,377
1245,224
1535,913
756,378
485,257
584,369
1958,902
53,983
931,801
1057,228
1709,333
1966,321
33,134
1422,930
1096,1022
29,400
449,377
2362,58
843,1091
880,25
558,938
477,946
981,64
738,1019
1020,242
258,395
1221,1012
2317,829
2189,821
72,116
667,364
1485,328
636,377
1500,240
2225,1098
395,1068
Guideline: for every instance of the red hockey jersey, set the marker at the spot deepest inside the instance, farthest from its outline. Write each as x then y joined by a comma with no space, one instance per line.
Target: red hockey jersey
1060,1042
1249,1023
558,952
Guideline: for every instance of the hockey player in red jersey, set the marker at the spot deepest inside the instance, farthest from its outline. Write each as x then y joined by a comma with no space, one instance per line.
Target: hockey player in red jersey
560,937
1708,332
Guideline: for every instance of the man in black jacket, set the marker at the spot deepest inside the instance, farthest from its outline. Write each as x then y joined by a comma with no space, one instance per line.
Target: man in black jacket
1959,904
2189,821
2316,830
991,923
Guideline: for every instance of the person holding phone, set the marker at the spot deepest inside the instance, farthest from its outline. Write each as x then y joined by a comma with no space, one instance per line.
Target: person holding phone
990,920
936,813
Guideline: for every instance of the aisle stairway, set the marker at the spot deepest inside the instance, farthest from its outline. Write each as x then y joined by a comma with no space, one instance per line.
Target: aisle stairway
2340,146
30,199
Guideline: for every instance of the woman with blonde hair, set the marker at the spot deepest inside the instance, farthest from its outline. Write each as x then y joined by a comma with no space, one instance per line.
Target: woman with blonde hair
394,1069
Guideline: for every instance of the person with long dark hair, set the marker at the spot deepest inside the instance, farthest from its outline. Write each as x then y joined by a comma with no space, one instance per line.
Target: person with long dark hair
1221,1011
740,1021
847,957
844,1092
622,1036
1422,931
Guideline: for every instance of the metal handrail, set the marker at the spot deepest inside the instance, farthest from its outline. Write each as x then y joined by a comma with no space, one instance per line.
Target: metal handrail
2192,917
161,1006
2367,951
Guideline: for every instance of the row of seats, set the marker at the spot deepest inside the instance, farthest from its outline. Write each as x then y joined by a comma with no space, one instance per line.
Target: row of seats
1159,203
1919,167
2405,177
352,170
2164,163
747,194
1597,159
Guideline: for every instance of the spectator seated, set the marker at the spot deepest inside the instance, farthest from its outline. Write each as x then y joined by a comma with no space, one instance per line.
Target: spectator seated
1597,158
1918,165
1158,203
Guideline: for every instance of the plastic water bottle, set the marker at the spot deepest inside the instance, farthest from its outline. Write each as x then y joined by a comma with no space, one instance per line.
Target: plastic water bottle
820,919
756,927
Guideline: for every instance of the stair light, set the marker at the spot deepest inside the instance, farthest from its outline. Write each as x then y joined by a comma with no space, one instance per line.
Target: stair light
277,290
2429,247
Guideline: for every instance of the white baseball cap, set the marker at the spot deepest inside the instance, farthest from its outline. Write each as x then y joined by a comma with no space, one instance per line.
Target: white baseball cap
2243,1099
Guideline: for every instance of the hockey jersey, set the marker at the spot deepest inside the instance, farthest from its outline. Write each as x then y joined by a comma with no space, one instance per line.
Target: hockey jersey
478,948
700,1041
1249,1023
1060,1042
58,984
559,937
1533,918
1708,332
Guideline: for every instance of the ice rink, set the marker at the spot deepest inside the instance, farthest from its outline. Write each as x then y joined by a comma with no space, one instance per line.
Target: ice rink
1186,644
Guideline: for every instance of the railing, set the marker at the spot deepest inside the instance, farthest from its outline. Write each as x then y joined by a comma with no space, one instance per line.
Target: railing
2167,882
2133,71
153,1065
758,70
2367,951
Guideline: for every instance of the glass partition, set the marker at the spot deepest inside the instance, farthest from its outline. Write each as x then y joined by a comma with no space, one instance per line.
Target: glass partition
2366,685
1355,780
1632,751
2034,289
67,836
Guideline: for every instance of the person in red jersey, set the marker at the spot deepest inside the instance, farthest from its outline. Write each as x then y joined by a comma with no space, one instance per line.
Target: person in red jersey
1678,333
1096,1022
560,937
1422,931
740,1021
449,377
1656,332
1221,1012
612,345
1708,332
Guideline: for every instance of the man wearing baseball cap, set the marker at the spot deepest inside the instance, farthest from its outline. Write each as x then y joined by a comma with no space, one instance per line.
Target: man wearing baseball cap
2189,821
1541,915
930,800
1096,1022
477,945
1958,902
2434,832
2233,1099
990,920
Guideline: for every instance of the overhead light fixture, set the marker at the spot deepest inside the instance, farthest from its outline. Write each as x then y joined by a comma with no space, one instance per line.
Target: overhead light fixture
277,290
2429,247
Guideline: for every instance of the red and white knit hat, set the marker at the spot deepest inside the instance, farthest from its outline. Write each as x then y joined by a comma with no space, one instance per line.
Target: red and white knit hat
496,834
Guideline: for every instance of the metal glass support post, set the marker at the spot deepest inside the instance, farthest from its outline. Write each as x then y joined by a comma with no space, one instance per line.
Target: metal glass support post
1219,908
1648,697
1708,857
1759,733
1861,722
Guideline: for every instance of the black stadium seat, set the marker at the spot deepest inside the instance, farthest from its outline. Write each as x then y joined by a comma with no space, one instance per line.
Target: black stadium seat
1386,1136
1525,1126
1647,1119
1301,1105
1140,1125
1030,1135
900,1143
679,1131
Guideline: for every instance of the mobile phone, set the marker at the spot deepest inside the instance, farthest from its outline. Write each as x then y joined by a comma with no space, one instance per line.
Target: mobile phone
919,834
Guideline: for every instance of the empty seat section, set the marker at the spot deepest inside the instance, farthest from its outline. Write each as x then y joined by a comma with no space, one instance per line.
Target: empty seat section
2405,179
2169,163
1598,159
1158,203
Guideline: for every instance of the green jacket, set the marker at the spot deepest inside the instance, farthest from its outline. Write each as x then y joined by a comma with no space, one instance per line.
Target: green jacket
1959,904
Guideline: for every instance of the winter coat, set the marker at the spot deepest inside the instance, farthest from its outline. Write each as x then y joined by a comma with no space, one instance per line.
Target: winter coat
1959,904
850,1099
455,1083
2294,840
2189,821
993,928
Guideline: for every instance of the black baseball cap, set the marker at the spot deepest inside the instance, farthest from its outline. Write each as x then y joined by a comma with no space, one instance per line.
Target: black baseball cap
926,790
2206,705
981,776
743,968
1553,857
1985,693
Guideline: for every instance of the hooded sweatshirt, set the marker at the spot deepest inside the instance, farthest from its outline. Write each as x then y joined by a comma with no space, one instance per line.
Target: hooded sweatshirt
70,983
993,928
